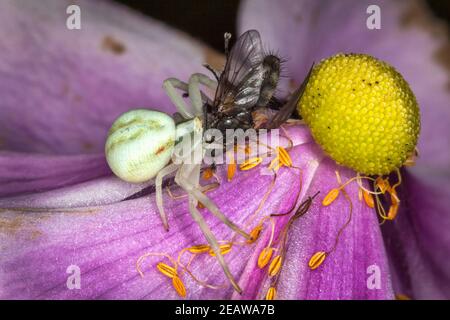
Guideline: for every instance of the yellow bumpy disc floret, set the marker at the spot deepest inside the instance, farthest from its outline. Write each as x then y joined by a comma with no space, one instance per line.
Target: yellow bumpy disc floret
362,112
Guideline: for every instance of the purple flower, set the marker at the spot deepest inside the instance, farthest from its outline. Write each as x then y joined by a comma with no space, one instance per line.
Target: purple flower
63,212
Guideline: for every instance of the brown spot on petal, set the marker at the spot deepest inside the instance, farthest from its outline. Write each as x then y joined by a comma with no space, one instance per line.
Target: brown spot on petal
11,226
35,234
67,92
113,45
87,146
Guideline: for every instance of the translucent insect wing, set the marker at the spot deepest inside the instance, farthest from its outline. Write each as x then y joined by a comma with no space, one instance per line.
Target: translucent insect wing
241,80
286,111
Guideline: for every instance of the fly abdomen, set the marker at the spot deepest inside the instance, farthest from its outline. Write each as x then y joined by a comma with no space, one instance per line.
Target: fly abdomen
271,71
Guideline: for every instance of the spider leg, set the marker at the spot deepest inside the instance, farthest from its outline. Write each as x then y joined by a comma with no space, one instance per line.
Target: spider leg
198,218
169,86
194,90
158,188
158,184
208,203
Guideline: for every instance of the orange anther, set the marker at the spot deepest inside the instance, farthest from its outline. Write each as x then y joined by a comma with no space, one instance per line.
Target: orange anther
316,260
284,157
224,249
368,199
275,266
264,257
271,293
179,286
273,163
250,163
330,197
254,234
208,173
392,213
201,248
382,184
166,270
231,170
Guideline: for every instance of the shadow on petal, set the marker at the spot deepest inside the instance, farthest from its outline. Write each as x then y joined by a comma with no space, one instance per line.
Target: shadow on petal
418,241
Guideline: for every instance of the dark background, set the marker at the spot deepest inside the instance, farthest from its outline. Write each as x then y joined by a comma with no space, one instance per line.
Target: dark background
207,20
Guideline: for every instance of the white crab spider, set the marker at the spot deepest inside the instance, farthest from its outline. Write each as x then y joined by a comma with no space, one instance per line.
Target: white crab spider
247,82
141,143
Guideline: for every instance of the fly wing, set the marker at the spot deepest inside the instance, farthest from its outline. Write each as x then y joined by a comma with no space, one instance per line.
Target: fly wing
286,111
242,77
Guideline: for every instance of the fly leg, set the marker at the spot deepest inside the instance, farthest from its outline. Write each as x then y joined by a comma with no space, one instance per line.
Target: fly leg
216,73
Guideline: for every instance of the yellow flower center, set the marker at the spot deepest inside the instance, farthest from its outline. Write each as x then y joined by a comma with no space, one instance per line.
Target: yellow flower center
362,112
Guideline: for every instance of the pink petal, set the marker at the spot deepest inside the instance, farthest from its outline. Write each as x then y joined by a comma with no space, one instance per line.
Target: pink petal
418,241
105,241
61,89
345,272
25,173
417,45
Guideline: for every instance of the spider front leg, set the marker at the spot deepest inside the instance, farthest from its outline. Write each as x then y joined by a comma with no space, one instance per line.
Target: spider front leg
158,188
170,85
195,94
208,203
212,241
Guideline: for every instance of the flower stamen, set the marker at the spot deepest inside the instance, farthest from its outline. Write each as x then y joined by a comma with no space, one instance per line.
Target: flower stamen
284,157
330,197
231,170
179,286
255,233
166,270
317,259
224,249
208,173
271,293
250,163
368,199
275,266
201,248
264,257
